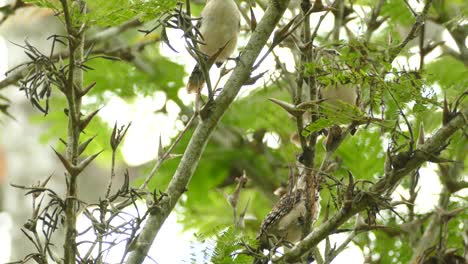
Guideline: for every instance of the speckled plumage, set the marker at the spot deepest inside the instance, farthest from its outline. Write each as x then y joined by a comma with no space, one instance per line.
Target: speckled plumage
286,219
283,207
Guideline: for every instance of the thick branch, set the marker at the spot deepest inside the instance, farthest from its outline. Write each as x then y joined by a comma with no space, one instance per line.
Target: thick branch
72,89
423,153
448,174
431,232
204,129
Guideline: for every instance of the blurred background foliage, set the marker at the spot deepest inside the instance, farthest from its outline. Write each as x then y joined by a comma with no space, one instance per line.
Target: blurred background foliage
254,135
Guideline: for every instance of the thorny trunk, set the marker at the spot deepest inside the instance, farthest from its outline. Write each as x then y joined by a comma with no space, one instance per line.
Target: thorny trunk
72,92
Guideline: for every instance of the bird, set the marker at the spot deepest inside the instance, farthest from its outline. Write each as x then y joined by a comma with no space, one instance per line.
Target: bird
336,93
219,28
286,220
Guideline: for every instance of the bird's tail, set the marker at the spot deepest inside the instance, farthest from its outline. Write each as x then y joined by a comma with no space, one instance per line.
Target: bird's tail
196,80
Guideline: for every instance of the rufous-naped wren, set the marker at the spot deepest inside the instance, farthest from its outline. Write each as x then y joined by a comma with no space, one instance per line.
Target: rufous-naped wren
285,222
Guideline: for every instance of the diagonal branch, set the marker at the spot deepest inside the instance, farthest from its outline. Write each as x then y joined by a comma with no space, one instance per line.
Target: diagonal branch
420,20
204,129
423,153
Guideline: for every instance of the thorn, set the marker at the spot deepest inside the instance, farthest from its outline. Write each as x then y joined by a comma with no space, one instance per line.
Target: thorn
44,183
290,108
306,105
435,159
82,146
253,79
149,199
241,222
225,71
85,122
165,39
68,166
63,141
445,111
173,156
388,162
253,20
318,6
80,167
87,89
113,138
280,34
421,134
4,110
160,149
125,184
349,190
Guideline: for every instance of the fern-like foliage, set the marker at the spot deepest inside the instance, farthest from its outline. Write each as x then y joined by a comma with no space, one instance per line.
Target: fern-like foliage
107,13
222,246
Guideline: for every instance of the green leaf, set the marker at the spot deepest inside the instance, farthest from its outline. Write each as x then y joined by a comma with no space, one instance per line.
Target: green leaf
398,12
363,153
52,4
318,125
451,74
125,80
223,245
110,13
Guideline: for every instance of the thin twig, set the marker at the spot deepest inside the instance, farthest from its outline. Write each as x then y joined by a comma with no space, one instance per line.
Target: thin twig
166,154
22,70
420,19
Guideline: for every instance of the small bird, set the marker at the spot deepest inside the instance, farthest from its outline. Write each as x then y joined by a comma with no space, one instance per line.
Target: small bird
219,27
335,93
345,93
286,220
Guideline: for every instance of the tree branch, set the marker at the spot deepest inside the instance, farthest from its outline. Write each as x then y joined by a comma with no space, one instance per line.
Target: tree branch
420,20
423,153
102,36
72,90
114,31
429,237
204,129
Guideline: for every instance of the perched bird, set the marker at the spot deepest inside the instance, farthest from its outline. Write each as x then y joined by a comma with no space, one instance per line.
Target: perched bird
286,220
335,92
345,93
219,28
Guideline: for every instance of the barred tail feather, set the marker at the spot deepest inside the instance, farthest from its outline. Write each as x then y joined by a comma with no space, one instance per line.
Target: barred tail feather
196,80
